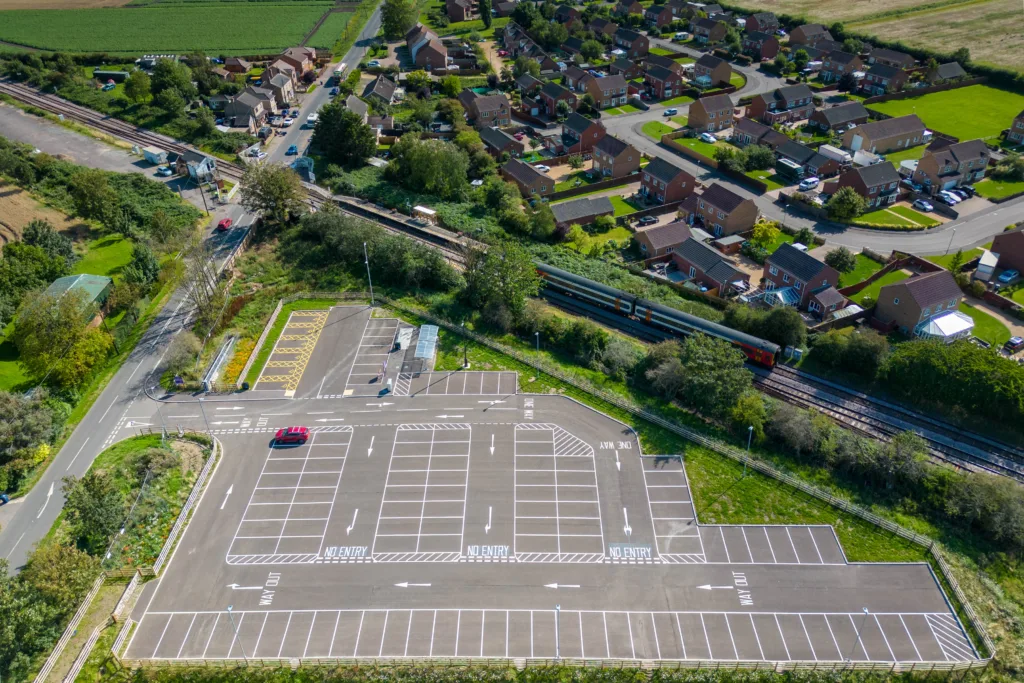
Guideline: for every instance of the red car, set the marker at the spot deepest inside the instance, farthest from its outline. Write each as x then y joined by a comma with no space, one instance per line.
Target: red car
224,225
503,53
292,435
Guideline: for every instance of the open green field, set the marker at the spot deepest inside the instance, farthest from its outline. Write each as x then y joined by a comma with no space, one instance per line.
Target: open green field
991,188
914,216
977,111
330,30
986,326
213,28
896,217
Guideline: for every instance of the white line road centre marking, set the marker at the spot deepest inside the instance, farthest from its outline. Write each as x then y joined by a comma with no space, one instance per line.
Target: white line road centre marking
226,495
331,419
561,585
232,408
236,587
326,412
76,456
353,524
618,465
108,409
15,545
709,587
406,584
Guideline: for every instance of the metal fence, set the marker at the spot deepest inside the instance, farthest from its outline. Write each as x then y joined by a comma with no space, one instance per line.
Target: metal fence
80,660
126,596
58,649
186,509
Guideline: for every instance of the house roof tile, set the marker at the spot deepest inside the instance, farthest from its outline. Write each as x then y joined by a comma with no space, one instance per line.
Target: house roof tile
670,234
611,145
722,198
878,174
828,296
901,125
700,254
716,102
567,212
930,288
796,262
523,172
579,123
844,113
710,61
662,169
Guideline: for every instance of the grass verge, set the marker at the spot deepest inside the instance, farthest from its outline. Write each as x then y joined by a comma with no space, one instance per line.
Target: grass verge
275,332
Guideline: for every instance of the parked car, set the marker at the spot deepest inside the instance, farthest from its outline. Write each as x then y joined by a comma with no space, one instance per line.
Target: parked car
108,86
373,62
292,435
969,189
295,113
224,225
922,205
1014,344
542,167
335,92
808,183
503,53
647,220
681,36
671,112
292,151
950,198
164,171
708,138
1008,276
519,136
287,122
4,499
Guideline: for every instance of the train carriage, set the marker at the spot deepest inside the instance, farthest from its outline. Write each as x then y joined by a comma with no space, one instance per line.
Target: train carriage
587,290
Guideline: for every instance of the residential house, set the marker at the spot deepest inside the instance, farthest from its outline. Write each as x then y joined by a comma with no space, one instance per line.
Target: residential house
517,42
283,89
709,31
882,79
484,111
625,7
303,59
498,142
663,182
572,77
279,66
681,9
663,61
566,16
579,135
949,72
709,114
945,166
614,158
812,162
458,10
825,301
837,64
900,60
552,93
658,16
662,239
245,110
626,68
582,211
382,89
708,267
840,116
265,95
529,84
531,182
381,123
602,25
418,36
924,306
720,211
886,135
237,65
505,9
791,103
823,48
710,71
760,45
426,49
573,46
1010,247
750,132
663,83
610,91
708,8
635,44
879,183
1016,131
221,73
354,104
788,266
762,22
808,34
200,168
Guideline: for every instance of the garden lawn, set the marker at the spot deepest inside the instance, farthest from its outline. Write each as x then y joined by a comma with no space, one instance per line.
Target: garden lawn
977,111
986,326
11,373
664,52
681,120
946,259
628,109
256,28
616,234
676,101
773,180
864,269
783,238
908,154
655,129
873,289
107,255
622,206
885,217
737,79
576,179
991,188
917,217
330,30
699,146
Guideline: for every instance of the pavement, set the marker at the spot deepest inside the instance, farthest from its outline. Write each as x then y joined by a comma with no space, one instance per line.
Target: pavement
456,517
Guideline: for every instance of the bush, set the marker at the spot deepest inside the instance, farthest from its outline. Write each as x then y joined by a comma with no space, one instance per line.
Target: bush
862,352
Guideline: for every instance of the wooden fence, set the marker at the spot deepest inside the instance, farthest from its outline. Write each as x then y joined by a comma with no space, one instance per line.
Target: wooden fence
70,631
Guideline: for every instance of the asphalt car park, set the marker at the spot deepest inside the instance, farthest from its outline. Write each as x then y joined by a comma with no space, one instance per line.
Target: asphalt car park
474,521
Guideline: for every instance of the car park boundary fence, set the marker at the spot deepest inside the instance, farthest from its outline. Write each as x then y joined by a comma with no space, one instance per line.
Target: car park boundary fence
728,451
71,629
80,660
186,509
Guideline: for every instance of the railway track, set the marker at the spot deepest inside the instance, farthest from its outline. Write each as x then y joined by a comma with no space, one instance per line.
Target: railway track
451,245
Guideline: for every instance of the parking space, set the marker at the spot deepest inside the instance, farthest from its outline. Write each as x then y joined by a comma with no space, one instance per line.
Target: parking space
292,351
457,383
743,544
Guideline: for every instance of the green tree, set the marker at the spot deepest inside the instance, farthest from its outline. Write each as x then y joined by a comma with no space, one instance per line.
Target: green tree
842,259
183,351
667,377
417,80
751,410
92,194
273,191
805,236
450,86
41,233
542,222
342,137
525,65
144,267
502,279
852,45
60,574
962,56
433,166
171,75
485,13
397,17
784,326
591,50
846,204
782,65
95,509
765,233
562,109
758,158
575,161
137,86
716,375
800,59
170,102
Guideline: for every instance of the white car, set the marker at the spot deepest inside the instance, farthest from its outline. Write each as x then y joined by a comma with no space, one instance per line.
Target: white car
671,112
542,167
287,122
809,183
950,197
681,36
708,138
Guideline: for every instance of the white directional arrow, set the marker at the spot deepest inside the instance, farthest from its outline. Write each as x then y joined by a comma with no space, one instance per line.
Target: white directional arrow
132,423
223,422
561,585
709,587
406,584
226,494
236,587
353,524
618,465
48,494
331,419
491,402
445,416
232,408
487,528
627,528
369,451
492,444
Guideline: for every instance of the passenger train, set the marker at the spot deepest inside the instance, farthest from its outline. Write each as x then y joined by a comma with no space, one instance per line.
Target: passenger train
656,315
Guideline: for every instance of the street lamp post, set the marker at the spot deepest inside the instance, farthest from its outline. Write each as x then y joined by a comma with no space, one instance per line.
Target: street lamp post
750,436
465,350
950,245
203,411
558,611
235,629
861,629
536,335
366,258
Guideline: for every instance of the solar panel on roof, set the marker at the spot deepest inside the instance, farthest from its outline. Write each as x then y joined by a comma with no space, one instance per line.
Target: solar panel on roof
426,345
